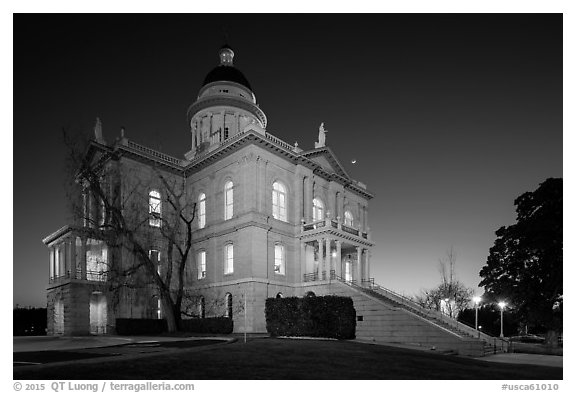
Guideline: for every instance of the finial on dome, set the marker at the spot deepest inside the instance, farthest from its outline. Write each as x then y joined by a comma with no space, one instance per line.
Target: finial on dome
226,56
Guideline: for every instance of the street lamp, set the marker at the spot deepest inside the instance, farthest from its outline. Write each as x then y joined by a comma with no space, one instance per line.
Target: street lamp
477,300
502,305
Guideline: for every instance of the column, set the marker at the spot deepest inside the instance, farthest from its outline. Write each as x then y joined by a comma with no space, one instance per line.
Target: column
338,262
221,136
358,266
72,257
51,266
302,260
320,258
83,259
328,259
308,199
367,264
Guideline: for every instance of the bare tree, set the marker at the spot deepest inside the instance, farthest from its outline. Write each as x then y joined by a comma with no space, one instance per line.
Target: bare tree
110,200
451,296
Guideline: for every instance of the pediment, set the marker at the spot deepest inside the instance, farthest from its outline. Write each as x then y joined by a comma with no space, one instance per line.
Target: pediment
327,161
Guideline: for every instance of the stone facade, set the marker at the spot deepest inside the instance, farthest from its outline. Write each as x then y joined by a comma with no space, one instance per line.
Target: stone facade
274,219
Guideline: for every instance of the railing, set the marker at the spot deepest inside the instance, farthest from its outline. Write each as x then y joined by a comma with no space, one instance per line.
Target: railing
96,276
314,225
350,230
279,141
154,153
431,315
308,277
334,224
91,275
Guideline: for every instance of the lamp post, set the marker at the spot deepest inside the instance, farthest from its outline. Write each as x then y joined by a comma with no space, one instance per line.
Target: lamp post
502,305
477,300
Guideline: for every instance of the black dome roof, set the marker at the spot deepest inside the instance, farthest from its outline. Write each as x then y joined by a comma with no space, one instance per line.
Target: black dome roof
226,73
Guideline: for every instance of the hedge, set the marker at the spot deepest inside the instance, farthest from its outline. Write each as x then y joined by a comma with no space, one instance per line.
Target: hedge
136,326
311,316
220,325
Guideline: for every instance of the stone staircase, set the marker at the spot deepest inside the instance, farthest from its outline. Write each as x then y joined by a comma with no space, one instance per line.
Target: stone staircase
387,317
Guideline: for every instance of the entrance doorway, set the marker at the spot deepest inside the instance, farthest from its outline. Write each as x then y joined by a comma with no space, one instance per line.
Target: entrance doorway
98,313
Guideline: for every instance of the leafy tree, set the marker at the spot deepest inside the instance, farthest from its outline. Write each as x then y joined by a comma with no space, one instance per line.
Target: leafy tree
525,264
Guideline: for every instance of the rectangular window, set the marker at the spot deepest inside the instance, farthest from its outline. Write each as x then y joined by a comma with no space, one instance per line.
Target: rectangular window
229,259
229,200
279,259
154,256
201,265
155,208
202,211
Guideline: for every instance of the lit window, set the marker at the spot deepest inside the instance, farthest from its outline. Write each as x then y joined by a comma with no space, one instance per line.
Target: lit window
348,218
202,211
317,210
279,259
155,208
228,200
201,265
154,256
229,259
279,201
156,307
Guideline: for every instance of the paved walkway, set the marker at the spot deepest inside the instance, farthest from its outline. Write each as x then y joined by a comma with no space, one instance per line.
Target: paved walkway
525,358
51,343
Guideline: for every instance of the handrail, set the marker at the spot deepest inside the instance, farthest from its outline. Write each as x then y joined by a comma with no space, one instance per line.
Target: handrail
429,314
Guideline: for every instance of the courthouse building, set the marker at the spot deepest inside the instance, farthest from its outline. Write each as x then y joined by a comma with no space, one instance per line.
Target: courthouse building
271,219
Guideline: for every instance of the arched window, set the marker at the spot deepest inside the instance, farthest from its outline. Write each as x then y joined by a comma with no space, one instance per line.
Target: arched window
279,201
279,265
155,208
228,302
348,218
317,209
201,210
201,265
229,259
228,200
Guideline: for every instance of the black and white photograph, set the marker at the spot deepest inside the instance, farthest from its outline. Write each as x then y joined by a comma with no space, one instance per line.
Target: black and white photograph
287,196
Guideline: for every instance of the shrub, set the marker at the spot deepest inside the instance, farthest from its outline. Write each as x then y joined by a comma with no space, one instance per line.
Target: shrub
220,325
135,326
313,316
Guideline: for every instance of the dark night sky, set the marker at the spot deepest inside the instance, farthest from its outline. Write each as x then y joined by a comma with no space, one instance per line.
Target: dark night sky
450,117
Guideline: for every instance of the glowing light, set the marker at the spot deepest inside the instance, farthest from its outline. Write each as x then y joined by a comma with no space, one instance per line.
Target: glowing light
353,161
476,299
502,305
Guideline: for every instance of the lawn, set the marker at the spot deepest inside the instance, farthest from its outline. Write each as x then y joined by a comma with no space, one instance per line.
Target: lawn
268,358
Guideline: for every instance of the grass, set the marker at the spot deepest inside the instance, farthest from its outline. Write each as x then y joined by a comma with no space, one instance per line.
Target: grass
270,358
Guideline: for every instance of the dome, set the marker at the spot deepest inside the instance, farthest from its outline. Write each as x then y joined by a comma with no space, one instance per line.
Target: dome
226,72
